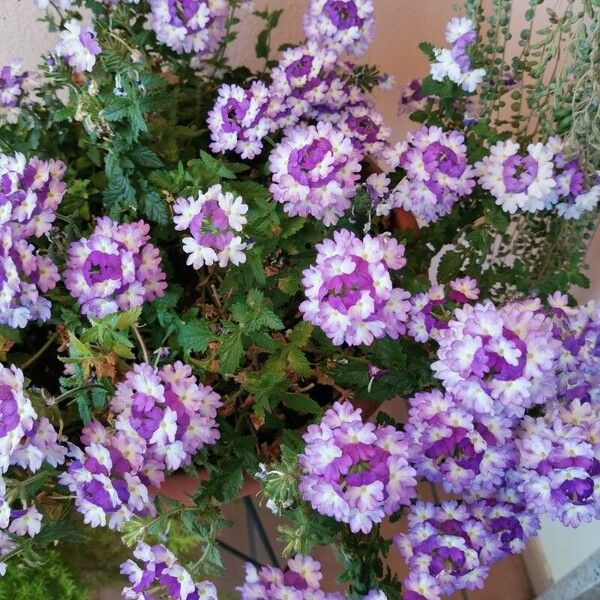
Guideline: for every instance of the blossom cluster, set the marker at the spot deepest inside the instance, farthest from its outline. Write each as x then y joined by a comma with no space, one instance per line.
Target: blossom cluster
578,329
355,472
300,581
239,119
437,174
458,448
115,269
559,462
30,192
160,571
498,361
450,547
455,63
341,25
214,219
542,178
27,441
17,90
315,172
161,419
189,26
349,291
425,323
78,46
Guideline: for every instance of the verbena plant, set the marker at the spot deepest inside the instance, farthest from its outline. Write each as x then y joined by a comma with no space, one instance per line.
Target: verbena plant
223,272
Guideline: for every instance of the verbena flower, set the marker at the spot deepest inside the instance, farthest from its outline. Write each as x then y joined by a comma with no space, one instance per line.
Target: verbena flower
161,419
559,468
355,472
443,550
411,97
315,172
342,25
18,89
238,120
30,192
570,197
189,26
460,449
425,322
349,291
78,46
159,570
498,361
578,329
304,83
17,415
301,580
24,274
518,182
116,268
455,63
437,174
214,219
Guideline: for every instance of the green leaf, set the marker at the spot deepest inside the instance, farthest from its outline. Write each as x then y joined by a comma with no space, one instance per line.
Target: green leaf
145,157
230,352
300,335
231,485
128,318
154,206
450,266
301,403
195,335
297,361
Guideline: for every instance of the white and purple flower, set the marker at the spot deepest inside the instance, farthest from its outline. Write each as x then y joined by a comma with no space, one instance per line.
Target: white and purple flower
78,46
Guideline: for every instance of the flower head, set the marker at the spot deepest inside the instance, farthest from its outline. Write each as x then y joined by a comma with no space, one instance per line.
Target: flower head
114,269
214,219
17,91
78,46
349,291
355,472
342,25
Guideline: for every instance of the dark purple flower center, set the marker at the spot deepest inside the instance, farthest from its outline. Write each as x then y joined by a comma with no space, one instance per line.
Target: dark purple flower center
9,410
100,267
519,172
342,14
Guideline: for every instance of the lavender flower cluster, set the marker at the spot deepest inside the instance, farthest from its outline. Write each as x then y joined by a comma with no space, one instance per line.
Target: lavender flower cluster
78,46
349,291
114,269
214,219
355,472
30,192
161,419
437,174
541,179
161,572
454,63
18,89
26,441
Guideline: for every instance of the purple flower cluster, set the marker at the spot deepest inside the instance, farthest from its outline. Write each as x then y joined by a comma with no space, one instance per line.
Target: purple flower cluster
341,25
161,572
114,269
30,192
213,219
559,468
300,581
349,291
161,419
304,81
570,198
498,361
437,174
189,26
355,472
17,90
425,323
460,449
455,63
315,172
26,441
411,97
239,120
578,329
450,547
78,46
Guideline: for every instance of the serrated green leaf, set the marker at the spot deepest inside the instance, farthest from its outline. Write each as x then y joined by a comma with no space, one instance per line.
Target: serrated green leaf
301,403
128,318
230,352
195,335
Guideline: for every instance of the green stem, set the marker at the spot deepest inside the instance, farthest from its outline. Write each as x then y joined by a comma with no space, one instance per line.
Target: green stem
33,359
73,392
142,344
